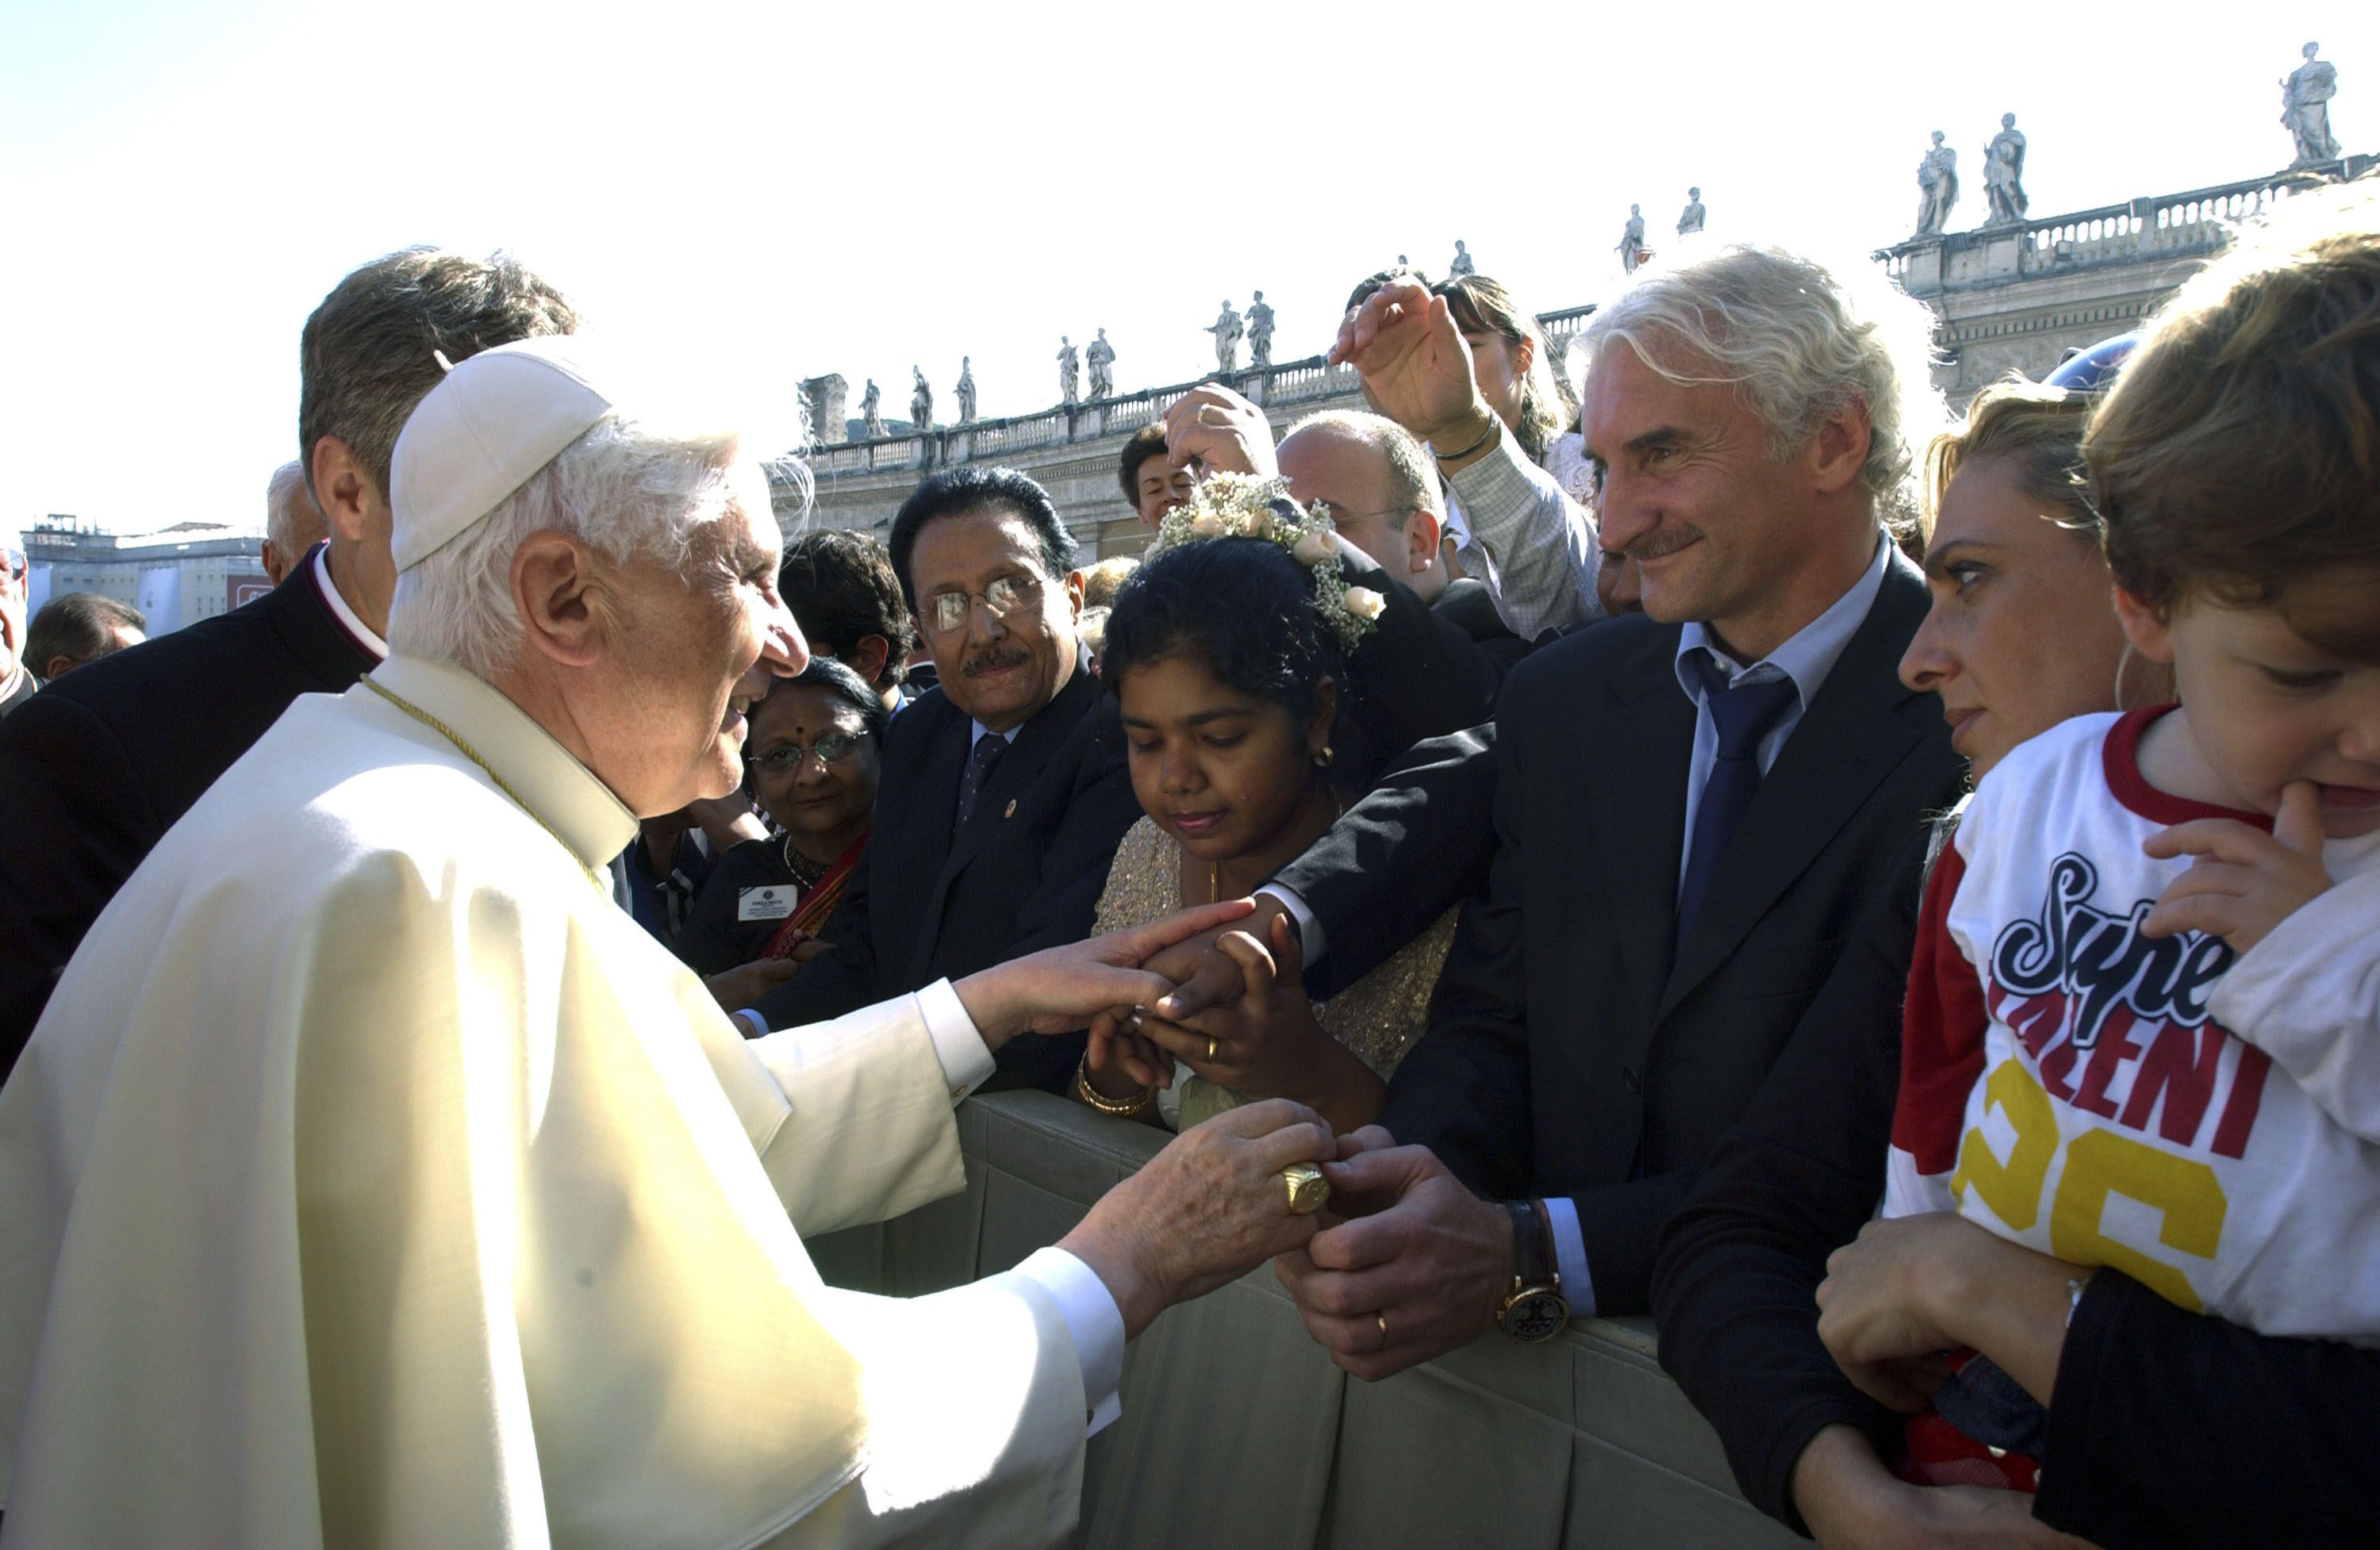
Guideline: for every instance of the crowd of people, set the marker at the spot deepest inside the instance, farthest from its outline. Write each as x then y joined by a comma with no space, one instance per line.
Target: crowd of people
1891,900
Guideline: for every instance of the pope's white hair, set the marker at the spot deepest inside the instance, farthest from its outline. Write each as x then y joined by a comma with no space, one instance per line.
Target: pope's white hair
1798,341
622,489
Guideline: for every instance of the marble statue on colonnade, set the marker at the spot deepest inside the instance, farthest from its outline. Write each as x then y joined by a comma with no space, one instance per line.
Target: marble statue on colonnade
2305,108
872,411
2004,174
1099,355
921,402
1690,220
1632,240
1070,372
1461,264
1259,332
1938,187
1226,331
967,390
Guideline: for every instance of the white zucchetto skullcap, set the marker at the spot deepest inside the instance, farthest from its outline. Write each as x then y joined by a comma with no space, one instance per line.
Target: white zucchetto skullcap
494,420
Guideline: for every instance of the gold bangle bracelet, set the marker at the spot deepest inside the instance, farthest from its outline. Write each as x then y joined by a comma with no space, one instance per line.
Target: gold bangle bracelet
1121,1107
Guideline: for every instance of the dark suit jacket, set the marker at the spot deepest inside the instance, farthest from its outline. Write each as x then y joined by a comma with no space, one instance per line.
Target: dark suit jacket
1566,1053
95,768
1471,608
932,902
1424,670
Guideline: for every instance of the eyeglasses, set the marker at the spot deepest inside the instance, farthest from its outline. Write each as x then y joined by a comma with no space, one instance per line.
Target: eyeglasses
1341,516
947,611
831,747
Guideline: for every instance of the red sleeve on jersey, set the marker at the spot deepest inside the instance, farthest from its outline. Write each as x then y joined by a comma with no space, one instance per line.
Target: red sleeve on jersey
1942,1025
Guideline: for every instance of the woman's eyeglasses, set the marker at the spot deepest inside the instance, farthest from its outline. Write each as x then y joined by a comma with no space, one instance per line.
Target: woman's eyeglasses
831,747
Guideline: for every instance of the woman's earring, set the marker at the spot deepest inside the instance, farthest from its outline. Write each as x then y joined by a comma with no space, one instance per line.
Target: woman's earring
1322,760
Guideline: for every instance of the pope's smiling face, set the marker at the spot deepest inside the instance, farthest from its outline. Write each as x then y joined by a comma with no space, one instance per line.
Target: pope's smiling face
697,646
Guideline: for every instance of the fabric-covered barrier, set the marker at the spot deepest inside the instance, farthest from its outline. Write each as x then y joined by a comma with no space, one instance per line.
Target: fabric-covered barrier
1237,1430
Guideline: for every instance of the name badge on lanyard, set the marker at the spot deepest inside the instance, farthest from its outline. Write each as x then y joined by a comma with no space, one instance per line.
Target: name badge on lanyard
773,903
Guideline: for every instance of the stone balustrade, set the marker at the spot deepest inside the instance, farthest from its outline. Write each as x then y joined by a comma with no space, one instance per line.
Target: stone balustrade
2186,225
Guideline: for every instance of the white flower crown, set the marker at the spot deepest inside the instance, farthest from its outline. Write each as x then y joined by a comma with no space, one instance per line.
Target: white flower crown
1241,506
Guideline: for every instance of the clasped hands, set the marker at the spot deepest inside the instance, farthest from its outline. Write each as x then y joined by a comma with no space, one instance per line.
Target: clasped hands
1234,1012
1409,1264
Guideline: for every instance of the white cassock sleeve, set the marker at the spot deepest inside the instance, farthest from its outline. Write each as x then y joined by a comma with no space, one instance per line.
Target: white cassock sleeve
852,1118
438,1230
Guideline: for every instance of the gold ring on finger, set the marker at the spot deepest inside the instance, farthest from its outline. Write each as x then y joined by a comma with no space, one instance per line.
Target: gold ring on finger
1307,1188
1211,1049
1382,1318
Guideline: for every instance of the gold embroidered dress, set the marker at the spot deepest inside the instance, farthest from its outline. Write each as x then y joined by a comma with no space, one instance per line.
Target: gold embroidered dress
1378,1017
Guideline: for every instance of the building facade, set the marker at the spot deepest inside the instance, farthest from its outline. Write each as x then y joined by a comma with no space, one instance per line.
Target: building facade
189,572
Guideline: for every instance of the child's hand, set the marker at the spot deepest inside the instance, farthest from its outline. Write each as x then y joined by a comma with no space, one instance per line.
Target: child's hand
2244,882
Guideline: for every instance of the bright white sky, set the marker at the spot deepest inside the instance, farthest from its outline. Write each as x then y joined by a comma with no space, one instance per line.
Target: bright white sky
773,191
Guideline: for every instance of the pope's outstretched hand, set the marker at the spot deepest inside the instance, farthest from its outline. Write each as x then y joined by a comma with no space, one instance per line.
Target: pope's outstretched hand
1202,1213
1059,989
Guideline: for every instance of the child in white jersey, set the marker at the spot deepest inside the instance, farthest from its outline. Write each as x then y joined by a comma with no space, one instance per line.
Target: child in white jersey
2142,1030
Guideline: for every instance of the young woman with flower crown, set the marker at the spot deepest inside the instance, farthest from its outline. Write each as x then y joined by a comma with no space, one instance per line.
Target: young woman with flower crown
1226,656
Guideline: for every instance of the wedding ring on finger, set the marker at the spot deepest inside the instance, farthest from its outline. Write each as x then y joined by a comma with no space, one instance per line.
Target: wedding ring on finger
1211,1049
1382,1319
1307,1188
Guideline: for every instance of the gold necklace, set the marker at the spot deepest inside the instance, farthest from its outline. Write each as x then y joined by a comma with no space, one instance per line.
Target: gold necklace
1215,868
451,735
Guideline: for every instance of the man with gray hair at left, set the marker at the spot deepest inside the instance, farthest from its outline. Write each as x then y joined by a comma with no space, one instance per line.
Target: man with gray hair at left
371,1180
293,523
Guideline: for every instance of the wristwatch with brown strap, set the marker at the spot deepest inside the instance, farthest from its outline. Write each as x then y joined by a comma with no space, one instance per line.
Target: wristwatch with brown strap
1533,1309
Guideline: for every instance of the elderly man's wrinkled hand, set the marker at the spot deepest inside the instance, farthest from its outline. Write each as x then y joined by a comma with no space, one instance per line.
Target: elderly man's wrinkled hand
1061,990
1209,1209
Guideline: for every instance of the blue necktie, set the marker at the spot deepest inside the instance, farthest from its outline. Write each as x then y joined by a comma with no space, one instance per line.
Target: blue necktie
1743,714
988,749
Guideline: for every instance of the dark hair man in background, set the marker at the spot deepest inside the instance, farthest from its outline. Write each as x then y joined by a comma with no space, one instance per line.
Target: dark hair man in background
840,587
78,627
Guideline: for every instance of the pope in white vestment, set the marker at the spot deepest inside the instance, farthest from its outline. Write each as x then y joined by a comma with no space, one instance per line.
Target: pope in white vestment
372,1178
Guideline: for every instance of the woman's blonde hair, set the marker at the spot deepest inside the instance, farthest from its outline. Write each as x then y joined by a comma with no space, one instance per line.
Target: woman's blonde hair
2038,431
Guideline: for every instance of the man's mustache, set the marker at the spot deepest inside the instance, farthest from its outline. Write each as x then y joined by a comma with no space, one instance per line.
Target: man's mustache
1663,541
993,660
